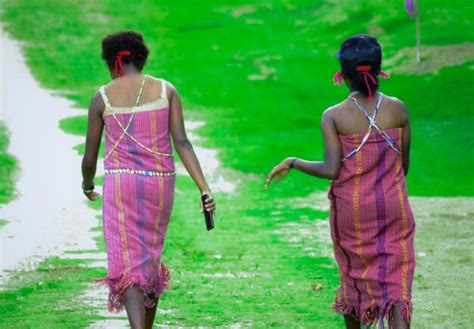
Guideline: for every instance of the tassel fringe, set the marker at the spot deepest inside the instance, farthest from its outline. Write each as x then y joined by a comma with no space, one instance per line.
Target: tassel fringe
151,287
375,314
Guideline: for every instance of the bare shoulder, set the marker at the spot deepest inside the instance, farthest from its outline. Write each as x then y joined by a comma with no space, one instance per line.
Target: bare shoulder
171,89
333,111
398,109
395,103
153,82
97,104
158,83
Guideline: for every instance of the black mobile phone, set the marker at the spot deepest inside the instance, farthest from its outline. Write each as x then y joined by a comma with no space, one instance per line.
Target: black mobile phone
208,215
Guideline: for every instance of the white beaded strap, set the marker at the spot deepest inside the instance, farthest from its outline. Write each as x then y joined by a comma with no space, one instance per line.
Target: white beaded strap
104,96
124,130
138,172
372,125
163,89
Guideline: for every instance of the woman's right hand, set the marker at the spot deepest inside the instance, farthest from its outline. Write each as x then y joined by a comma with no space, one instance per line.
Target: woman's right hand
210,204
92,196
281,170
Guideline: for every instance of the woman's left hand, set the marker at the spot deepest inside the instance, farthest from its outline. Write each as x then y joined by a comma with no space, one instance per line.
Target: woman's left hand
280,170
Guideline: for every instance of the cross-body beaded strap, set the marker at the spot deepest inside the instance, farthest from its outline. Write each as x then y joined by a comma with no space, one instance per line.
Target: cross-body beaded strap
125,129
372,124
107,102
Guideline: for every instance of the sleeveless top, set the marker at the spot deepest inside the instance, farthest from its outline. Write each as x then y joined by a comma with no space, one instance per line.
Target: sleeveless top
137,139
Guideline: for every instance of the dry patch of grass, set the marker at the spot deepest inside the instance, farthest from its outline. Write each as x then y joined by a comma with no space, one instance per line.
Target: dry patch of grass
433,58
238,11
265,71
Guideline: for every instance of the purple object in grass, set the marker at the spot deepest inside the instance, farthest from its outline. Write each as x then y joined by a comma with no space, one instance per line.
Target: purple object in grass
410,7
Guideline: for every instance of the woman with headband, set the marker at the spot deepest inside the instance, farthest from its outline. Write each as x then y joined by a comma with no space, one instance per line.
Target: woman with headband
366,157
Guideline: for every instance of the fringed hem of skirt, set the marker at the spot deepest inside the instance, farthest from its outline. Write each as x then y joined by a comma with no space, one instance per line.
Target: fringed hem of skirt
151,287
375,314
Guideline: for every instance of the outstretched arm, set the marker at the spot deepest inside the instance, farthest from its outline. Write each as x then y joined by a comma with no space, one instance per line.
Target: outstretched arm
183,145
94,135
329,168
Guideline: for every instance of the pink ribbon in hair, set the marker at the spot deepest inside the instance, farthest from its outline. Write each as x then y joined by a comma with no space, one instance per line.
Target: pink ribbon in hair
338,77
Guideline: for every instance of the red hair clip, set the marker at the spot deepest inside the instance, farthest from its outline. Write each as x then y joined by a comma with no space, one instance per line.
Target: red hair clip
363,68
118,69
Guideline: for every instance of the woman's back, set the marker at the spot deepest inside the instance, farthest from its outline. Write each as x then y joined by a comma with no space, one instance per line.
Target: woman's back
136,117
123,92
371,143
369,126
139,113
366,155
372,224
350,120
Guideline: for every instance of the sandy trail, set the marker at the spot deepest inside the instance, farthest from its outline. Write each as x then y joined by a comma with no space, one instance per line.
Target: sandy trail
50,215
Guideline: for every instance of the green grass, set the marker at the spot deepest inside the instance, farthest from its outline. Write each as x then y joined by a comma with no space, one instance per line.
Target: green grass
3,222
246,271
209,53
8,168
259,74
47,297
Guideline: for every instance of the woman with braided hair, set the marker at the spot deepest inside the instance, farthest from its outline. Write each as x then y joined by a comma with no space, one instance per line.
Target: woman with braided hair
141,115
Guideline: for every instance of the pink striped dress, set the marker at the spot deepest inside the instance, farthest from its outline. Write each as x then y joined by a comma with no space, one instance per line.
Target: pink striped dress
372,226
138,196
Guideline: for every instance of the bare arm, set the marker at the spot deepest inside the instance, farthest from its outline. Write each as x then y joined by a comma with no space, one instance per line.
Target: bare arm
329,168
183,145
94,135
406,141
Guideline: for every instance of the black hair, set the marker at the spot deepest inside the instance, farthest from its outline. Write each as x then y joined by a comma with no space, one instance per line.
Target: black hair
125,40
358,79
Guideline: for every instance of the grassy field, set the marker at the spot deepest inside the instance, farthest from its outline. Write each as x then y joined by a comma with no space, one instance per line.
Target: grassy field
260,75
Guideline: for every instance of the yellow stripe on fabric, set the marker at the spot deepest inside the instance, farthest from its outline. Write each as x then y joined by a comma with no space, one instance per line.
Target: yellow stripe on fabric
355,201
118,200
403,243
154,144
338,295
344,288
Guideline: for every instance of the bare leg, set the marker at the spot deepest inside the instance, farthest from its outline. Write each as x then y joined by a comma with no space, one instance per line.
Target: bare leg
135,306
398,321
351,322
150,314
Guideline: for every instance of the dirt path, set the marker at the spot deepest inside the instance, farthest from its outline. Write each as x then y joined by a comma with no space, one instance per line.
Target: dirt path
49,216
